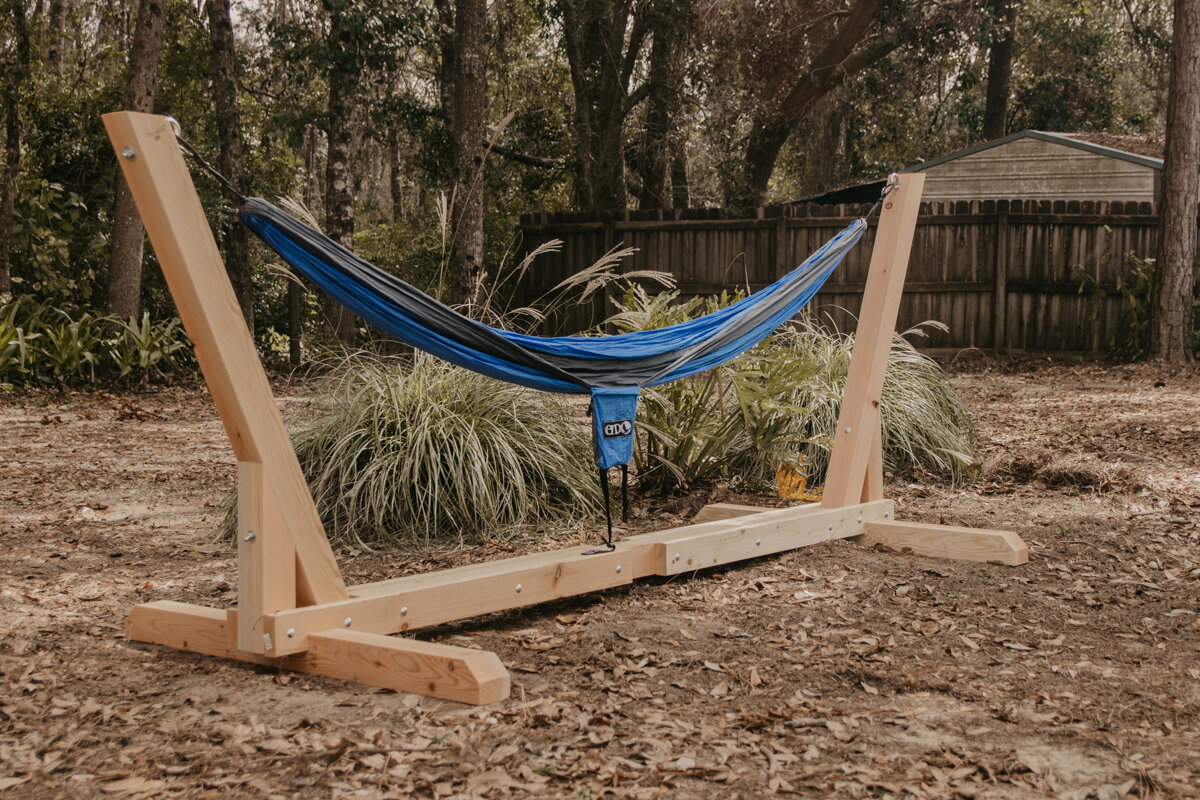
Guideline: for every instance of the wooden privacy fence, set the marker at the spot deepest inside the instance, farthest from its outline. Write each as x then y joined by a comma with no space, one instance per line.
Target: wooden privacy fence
1000,273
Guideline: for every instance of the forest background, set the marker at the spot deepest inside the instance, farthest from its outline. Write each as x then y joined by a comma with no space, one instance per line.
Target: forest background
416,131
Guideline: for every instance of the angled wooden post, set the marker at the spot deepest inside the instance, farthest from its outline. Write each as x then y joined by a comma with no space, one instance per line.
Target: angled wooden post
175,222
859,421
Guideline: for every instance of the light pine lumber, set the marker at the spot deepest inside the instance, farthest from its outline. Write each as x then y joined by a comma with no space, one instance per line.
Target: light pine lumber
763,534
266,557
476,677
873,485
859,417
418,601
947,541
453,673
714,512
166,199
421,601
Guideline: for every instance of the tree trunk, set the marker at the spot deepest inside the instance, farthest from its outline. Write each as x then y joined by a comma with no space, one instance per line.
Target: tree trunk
766,139
466,150
669,26
850,50
125,268
229,131
1171,306
16,72
602,51
395,175
339,178
680,188
56,35
1000,54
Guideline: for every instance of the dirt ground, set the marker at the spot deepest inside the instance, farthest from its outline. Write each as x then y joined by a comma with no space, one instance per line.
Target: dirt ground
834,671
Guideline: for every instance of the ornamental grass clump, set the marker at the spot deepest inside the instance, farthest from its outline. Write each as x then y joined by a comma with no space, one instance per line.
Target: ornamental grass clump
778,403
925,422
418,452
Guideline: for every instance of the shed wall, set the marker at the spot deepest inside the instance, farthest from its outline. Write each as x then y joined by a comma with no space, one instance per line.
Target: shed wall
1039,170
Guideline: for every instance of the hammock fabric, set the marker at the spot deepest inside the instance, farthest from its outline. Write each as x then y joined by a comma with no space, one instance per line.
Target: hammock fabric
612,369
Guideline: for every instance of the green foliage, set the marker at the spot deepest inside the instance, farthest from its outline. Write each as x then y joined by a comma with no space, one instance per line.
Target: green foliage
40,342
925,423
1135,288
419,451
778,404
149,347
45,217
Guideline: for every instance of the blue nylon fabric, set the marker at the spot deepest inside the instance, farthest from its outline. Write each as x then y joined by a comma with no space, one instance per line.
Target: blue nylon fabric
613,415
382,315
684,334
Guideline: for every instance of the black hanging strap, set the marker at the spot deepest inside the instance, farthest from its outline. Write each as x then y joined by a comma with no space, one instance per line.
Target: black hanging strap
188,148
624,493
608,542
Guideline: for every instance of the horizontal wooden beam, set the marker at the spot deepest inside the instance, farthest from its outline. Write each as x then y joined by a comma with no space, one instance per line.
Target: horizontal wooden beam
475,677
764,533
947,541
718,511
419,601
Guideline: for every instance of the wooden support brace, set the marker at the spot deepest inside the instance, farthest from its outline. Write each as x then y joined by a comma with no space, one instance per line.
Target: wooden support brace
405,665
166,199
418,601
947,541
266,577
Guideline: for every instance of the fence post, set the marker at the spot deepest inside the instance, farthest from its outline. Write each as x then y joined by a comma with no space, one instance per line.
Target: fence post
782,267
1000,292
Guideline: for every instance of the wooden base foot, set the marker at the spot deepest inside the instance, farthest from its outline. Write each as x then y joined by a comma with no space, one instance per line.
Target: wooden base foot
926,539
475,677
946,541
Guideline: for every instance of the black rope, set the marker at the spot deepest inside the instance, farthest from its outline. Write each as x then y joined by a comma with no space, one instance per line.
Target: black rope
199,159
891,183
608,542
625,493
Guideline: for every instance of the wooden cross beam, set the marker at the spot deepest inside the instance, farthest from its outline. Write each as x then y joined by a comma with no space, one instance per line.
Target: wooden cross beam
294,609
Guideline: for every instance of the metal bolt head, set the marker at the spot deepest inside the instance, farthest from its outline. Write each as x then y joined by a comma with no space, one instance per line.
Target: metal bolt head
860,517
847,429
887,514
347,622
518,588
291,633
677,556
127,153
404,611
831,527
249,537
758,542
618,568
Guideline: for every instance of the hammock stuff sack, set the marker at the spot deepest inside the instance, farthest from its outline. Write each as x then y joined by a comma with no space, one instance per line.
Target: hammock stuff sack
612,369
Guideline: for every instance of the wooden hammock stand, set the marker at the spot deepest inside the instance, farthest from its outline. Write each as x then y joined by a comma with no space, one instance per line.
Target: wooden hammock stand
305,618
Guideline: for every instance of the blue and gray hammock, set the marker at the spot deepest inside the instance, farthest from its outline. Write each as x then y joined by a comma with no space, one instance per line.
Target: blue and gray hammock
612,369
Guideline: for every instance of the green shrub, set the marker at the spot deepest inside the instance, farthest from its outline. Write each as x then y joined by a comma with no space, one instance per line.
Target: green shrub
418,450
67,347
1135,288
150,347
18,354
778,404
47,343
